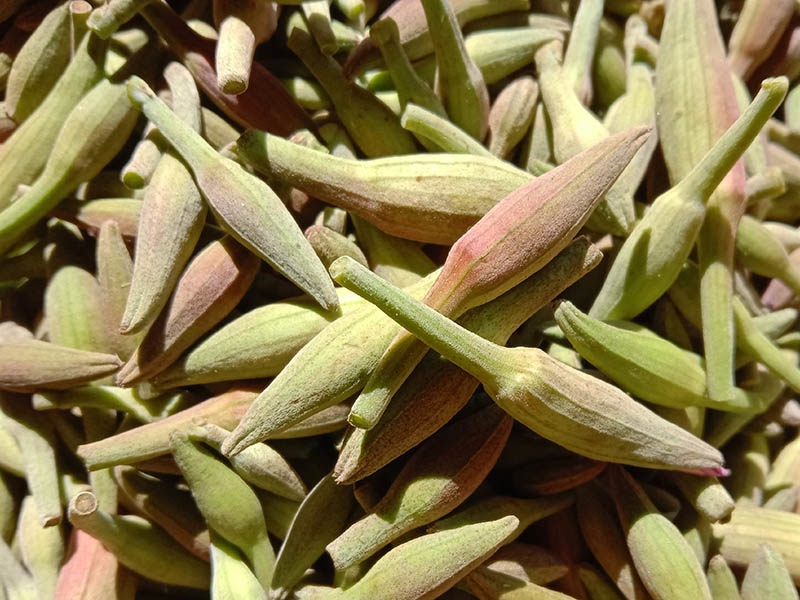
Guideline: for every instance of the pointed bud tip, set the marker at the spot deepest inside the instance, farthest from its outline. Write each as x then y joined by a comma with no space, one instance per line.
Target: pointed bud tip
138,91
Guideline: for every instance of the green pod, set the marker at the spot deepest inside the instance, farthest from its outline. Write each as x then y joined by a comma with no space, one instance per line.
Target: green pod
108,397
438,477
71,295
721,580
326,371
437,388
708,496
9,503
321,517
242,26
511,115
431,198
42,548
91,214
307,93
423,568
114,268
278,512
170,508
265,105
317,15
500,52
414,34
577,411
258,465
537,153
139,545
574,129
330,245
345,36
91,135
144,159
608,69
749,459
37,442
580,51
749,527
171,221
229,505
598,586
370,123
244,204
208,289
152,439
216,130
755,343
603,534
692,51
515,239
664,560
409,85
635,107
398,261
459,82
17,582
107,19
11,460
437,133
767,577
642,363
43,58
35,138
785,468
527,512
34,365
231,578
759,251
517,565
652,255
257,344
756,33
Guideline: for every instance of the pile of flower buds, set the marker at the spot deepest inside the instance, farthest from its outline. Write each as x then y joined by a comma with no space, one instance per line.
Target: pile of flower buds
364,300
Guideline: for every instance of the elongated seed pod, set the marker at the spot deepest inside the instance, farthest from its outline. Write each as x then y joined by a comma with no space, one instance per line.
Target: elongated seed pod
138,544
172,218
459,82
43,58
437,560
257,344
370,123
514,240
422,197
90,137
414,35
462,454
244,203
436,389
542,393
208,289
320,518
171,509
35,138
663,558
349,348
152,440
653,254
227,502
